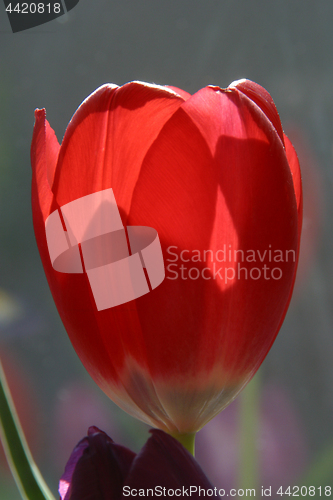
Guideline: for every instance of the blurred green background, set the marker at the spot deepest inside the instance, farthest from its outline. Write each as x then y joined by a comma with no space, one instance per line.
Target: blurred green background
280,432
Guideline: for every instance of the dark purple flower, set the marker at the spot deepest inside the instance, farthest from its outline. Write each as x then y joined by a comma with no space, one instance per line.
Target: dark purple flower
99,469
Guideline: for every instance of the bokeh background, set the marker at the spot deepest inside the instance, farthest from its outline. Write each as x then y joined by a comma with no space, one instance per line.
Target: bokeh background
280,431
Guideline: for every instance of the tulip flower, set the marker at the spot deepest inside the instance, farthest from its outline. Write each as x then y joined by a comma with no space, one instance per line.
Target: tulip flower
208,183
100,469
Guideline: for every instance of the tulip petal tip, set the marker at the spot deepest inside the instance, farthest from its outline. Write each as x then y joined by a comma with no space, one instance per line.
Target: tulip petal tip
40,113
235,83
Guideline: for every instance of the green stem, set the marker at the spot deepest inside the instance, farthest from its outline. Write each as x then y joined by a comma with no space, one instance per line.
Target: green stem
26,474
249,413
187,440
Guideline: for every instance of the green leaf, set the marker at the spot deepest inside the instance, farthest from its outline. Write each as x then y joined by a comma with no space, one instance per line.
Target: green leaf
26,473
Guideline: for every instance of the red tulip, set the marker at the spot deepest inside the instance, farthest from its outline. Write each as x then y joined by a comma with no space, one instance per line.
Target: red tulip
211,173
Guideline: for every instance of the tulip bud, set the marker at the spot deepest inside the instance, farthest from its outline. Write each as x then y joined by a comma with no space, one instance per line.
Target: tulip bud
169,227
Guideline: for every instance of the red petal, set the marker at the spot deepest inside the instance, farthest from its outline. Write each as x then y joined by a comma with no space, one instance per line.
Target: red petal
263,99
239,191
107,139
296,173
88,163
71,292
44,155
297,182
179,91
